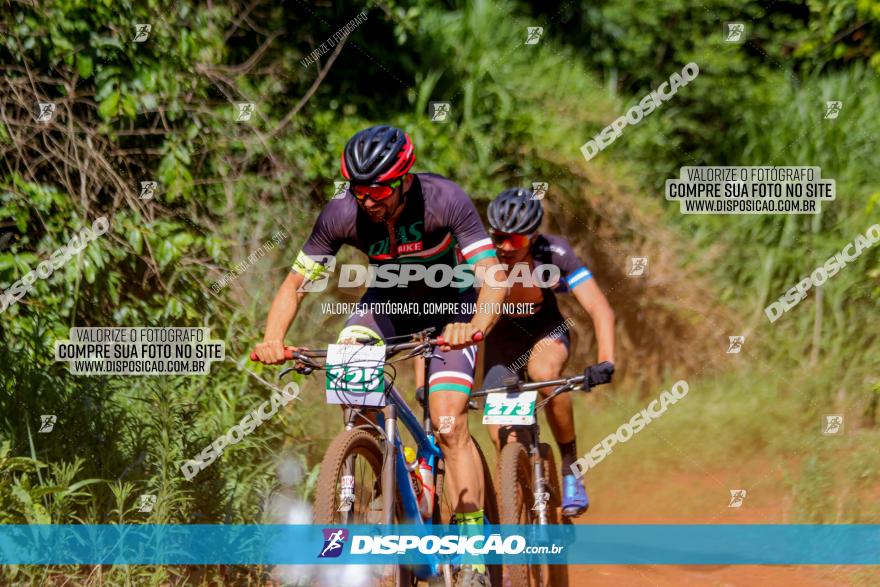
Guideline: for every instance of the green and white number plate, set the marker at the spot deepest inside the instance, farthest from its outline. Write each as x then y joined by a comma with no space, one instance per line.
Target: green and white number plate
510,408
356,375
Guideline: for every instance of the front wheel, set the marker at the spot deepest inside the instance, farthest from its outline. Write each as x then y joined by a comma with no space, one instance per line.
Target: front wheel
349,491
517,500
558,573
349,485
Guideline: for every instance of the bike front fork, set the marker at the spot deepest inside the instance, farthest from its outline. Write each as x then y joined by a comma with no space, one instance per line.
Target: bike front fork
389,489
389,478
539,477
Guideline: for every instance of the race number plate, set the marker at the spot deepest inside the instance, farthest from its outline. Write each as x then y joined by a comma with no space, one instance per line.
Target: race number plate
510,408
356,375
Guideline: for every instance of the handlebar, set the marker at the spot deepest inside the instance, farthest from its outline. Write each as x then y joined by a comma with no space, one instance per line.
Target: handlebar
306,356
289,353
518,385
593,375
477,337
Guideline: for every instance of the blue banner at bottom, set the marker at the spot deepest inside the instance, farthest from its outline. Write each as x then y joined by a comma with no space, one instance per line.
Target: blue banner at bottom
854,544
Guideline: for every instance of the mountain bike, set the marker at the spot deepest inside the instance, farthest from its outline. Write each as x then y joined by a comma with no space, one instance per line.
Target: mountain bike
364,477
529,491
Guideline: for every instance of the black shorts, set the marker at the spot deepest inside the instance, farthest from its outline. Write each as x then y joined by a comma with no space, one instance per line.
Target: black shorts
510,342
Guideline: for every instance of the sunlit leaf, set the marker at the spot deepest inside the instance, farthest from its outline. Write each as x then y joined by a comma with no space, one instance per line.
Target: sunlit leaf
136,240
109,106
84,65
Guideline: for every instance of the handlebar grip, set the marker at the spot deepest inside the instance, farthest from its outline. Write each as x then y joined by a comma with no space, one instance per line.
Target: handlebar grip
288,354
598,374
477,337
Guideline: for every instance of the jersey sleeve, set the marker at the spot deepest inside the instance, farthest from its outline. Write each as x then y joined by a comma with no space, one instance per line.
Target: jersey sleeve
327,237
467,227
573,269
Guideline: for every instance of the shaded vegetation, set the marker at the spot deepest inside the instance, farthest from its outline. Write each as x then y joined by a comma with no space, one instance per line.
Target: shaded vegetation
165,110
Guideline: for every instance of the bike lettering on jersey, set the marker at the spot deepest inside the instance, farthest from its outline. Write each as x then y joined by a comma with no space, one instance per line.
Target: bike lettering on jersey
408,241
410,247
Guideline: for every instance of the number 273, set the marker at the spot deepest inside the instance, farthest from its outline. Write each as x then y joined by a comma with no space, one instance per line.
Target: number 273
509,409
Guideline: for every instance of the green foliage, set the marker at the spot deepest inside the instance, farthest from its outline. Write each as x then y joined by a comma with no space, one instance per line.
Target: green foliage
163,110
19,502
840,32
117,438
787,248
814,501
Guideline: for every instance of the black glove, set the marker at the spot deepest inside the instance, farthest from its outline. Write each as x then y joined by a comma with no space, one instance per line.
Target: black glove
598,374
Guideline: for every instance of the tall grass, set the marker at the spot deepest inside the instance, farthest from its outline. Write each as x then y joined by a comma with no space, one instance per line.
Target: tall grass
757,427
765,255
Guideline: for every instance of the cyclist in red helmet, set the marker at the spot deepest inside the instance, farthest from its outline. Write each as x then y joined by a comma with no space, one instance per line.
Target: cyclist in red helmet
394,216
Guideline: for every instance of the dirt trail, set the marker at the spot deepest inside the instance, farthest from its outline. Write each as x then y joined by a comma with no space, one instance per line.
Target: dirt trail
715,575
684,499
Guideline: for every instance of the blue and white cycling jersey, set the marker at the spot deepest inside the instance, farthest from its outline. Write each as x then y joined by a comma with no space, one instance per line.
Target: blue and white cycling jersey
551,249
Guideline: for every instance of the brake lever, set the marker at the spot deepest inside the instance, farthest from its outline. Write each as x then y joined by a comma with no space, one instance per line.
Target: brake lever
430,354
307,365
286,371
559,390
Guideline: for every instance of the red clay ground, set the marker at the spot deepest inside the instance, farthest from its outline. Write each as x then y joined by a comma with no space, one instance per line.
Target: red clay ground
679,498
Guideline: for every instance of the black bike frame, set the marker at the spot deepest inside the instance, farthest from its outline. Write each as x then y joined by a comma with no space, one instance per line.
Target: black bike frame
533,442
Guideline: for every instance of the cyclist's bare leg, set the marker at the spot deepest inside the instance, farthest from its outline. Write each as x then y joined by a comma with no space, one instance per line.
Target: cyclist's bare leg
500,433
493,434
464,477
547,362
419,366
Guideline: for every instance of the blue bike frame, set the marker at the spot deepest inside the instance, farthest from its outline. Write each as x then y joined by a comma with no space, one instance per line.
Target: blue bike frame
427,449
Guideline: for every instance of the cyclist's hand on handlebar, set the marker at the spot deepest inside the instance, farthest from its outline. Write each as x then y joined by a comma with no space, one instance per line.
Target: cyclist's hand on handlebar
599,374
272,352
458,335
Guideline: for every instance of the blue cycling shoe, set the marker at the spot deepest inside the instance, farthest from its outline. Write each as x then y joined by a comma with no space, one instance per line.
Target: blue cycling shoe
574,497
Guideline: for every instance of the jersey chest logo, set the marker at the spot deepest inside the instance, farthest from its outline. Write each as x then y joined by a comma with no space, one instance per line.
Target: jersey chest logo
409,240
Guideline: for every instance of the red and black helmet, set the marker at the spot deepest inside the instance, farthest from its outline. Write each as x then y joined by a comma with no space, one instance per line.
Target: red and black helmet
378,154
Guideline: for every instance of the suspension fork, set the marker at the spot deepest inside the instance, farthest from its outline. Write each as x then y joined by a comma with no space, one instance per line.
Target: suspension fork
348,465
348,416
426,411
539,481
389,472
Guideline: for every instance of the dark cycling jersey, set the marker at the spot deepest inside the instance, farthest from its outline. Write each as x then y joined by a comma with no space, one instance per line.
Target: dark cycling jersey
549,249
510,342
438,225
